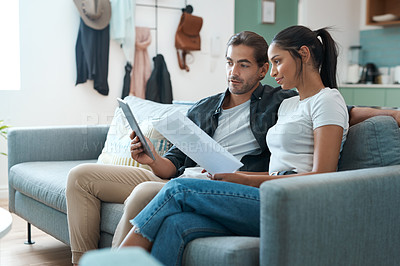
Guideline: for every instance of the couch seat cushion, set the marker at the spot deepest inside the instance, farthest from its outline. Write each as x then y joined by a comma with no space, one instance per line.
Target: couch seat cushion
110,216
225,250
44,181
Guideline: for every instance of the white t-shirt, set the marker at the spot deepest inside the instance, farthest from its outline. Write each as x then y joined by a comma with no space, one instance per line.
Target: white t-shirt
234,132
291,139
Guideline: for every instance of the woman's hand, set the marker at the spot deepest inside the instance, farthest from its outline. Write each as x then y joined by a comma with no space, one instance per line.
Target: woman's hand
238,178
253,179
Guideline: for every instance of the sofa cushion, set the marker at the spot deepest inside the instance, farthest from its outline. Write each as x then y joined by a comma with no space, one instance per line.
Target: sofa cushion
44,181
372,143
223,250
111,214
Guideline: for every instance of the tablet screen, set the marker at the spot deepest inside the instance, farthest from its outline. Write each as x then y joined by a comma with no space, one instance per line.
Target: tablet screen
135,127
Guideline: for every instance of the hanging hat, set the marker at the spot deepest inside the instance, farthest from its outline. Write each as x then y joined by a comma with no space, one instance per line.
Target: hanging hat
95,13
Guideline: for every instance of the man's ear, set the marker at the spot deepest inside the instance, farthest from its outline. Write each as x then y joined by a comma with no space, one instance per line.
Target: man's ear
264,70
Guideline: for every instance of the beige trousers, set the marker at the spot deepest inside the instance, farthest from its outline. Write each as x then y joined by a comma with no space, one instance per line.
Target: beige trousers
90,184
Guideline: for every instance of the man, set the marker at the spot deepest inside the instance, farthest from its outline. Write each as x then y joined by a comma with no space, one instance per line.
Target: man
238,119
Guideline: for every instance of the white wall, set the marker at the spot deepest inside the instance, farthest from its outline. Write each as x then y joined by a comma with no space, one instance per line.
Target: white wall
48,95
343,16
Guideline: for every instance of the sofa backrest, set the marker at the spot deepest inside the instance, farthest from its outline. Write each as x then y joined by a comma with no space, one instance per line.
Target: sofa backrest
374,142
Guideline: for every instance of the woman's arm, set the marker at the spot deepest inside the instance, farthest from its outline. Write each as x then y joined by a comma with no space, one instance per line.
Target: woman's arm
327,142
359,114
249,179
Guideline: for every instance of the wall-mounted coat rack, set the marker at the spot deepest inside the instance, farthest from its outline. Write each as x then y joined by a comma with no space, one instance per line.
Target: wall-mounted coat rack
188,9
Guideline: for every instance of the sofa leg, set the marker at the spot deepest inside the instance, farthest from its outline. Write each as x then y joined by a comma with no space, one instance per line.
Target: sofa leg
29,242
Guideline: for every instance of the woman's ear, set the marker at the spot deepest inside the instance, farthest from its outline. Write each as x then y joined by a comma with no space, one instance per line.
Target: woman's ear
305,53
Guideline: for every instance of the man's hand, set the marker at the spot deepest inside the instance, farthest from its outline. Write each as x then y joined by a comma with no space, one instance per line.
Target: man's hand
137,152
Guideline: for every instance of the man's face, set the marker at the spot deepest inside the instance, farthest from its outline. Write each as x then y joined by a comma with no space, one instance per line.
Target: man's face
242,71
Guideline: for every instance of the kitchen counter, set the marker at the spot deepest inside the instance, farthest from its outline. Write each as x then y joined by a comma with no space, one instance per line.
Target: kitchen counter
383,95
369,86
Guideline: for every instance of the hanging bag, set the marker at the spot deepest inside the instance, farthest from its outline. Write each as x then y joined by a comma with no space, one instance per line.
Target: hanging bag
187,37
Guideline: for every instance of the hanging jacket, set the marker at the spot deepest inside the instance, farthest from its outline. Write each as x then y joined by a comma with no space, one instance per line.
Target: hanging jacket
159,88
92,51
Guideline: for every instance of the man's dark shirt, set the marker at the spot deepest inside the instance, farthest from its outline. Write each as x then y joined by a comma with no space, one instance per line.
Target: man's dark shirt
264,104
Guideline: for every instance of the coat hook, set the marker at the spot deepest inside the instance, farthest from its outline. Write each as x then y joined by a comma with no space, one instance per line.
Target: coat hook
188,9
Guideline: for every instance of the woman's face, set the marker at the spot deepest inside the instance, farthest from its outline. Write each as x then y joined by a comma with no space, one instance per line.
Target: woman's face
283,67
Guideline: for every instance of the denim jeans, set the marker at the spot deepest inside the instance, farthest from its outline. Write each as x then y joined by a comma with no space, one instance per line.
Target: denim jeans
186,209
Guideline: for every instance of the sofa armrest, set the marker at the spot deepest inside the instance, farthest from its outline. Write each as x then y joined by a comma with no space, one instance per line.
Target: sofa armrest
342,218
58,143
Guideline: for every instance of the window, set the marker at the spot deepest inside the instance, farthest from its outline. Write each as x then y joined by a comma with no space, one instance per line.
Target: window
9,45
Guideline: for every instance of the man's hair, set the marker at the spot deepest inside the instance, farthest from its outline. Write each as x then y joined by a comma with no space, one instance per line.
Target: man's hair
253,40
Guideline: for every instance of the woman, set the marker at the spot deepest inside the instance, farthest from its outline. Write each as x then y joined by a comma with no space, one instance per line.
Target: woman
307,139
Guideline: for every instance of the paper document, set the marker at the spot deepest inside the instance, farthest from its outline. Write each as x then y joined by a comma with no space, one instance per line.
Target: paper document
196,144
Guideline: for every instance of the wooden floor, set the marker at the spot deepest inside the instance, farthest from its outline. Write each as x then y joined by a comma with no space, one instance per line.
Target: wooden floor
47,251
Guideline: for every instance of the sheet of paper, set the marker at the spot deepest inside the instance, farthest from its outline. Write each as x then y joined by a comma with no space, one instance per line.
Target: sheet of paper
196,144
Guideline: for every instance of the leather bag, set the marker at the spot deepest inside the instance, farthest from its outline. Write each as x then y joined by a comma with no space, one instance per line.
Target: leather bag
187,37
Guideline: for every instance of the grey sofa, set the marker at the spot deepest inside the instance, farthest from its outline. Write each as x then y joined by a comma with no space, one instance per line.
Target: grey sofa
350,217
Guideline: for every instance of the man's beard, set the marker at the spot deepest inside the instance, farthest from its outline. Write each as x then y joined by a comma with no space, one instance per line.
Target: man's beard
245,86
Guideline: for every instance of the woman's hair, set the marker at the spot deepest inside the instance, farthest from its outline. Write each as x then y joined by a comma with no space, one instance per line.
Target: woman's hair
322,47
254,41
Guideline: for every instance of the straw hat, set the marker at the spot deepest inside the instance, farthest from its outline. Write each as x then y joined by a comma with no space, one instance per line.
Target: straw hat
95,13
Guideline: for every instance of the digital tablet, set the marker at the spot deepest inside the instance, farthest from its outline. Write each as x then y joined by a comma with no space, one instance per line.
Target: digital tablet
135,127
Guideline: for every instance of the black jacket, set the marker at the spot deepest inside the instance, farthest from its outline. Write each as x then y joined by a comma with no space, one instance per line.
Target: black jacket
92,51
158,87
264,105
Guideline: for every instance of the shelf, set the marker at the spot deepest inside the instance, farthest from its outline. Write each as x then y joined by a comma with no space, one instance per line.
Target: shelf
381,7
385,23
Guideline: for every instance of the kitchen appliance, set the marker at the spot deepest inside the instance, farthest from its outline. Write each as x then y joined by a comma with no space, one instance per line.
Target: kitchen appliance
353,69
369,74
384,73
397,74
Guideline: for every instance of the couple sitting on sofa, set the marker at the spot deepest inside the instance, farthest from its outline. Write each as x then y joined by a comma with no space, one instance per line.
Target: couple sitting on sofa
314,122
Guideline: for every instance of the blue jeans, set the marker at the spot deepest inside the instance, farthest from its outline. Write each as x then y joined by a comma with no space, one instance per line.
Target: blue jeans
186,209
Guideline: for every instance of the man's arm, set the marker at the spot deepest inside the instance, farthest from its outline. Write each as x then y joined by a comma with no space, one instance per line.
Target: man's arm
359,114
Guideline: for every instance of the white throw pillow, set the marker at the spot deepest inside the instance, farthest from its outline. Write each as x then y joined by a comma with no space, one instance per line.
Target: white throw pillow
116,149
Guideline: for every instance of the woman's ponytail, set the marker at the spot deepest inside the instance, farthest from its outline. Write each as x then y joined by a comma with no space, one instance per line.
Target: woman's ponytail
328,66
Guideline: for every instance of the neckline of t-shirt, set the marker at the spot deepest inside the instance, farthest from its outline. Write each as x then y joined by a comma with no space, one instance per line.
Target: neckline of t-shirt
308,98
240,106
